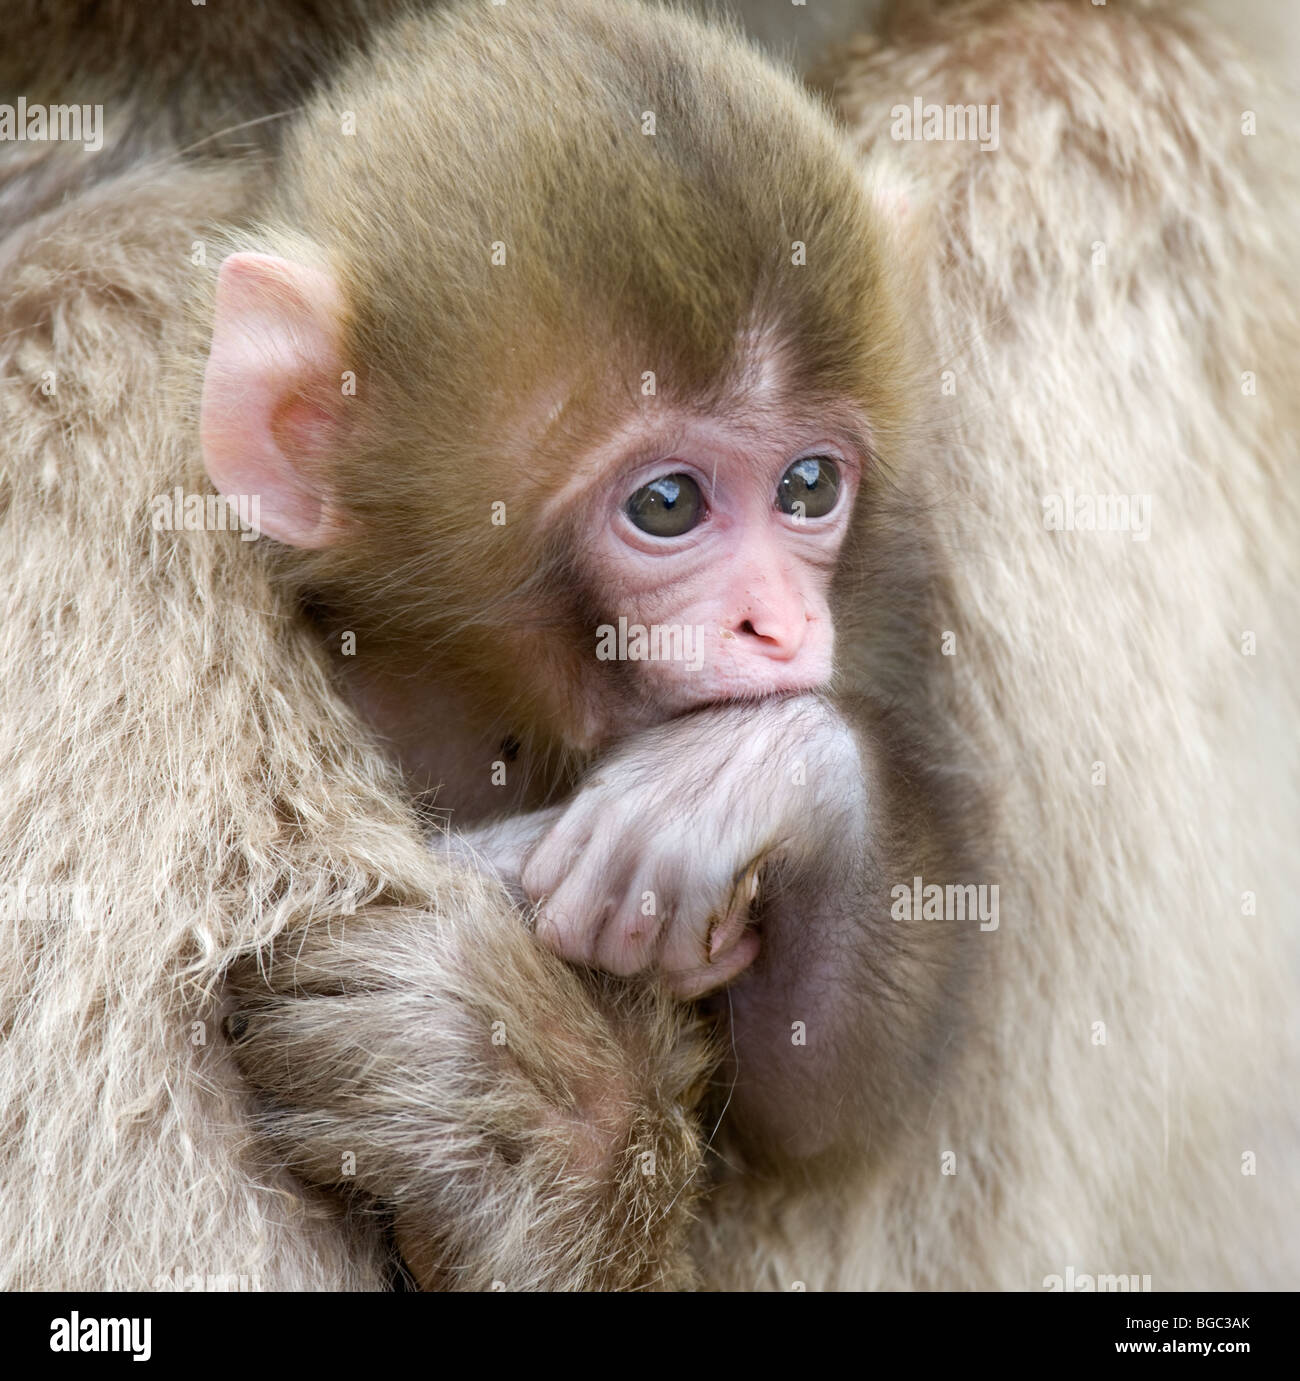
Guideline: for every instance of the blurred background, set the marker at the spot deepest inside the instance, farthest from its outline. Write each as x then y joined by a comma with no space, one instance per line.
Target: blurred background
1270,28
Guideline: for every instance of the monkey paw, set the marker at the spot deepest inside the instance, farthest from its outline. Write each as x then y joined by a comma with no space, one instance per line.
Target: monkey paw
656,864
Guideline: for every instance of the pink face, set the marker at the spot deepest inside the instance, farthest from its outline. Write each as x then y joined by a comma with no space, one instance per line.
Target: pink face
712,557
707,542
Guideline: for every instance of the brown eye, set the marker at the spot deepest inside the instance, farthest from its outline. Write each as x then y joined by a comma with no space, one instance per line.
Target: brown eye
667,507
813,483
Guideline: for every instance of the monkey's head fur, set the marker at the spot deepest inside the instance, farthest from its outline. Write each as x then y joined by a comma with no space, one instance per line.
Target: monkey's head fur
545,221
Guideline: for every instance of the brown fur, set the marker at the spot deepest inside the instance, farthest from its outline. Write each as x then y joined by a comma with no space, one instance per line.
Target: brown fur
684,266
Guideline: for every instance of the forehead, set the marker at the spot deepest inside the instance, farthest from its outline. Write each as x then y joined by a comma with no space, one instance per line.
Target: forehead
578,429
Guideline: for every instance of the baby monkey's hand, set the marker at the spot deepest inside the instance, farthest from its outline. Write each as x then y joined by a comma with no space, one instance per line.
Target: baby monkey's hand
655,862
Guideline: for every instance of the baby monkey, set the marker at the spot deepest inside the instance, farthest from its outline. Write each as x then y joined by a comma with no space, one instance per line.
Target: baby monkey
567,339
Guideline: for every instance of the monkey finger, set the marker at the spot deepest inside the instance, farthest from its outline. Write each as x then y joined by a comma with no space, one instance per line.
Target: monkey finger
505,845
572,919
685,946
730,923
564,924
556,856
627,943
692,983
496,851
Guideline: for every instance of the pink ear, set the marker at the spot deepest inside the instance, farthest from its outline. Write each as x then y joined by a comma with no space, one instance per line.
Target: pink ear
274,345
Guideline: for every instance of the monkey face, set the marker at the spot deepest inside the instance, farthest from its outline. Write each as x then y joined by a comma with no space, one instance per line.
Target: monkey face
708,558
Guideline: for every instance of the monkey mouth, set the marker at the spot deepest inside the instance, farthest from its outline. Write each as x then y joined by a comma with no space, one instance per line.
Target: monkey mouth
742,699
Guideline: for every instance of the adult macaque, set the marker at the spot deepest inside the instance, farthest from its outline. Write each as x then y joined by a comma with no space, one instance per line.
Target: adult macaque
201,792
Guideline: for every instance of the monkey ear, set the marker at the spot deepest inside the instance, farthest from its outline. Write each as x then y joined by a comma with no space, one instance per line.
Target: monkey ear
274,348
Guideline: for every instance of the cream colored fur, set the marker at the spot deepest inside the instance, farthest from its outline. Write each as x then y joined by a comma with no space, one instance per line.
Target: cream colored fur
157,757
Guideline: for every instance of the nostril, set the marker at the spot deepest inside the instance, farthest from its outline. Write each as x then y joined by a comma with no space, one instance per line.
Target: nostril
747,629
775,639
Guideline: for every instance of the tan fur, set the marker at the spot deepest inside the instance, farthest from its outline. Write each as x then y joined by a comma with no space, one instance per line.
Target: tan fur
176,748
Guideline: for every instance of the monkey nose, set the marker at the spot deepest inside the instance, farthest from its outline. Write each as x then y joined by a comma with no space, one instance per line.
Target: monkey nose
775,633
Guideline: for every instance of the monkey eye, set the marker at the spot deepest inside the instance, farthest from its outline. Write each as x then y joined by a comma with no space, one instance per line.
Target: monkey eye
666,507
809,487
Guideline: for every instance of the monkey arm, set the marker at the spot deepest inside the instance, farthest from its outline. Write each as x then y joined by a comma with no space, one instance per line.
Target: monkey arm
520,1123
836,806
